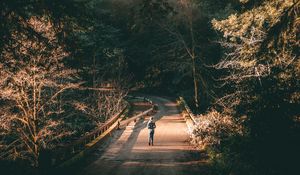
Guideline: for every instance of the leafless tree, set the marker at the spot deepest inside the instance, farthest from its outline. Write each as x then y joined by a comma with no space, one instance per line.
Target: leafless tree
32,76
100,105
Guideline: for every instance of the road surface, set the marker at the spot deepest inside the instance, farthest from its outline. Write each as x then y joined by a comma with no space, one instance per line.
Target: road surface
128,152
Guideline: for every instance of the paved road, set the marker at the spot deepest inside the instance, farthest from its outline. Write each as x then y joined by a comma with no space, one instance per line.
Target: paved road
129,153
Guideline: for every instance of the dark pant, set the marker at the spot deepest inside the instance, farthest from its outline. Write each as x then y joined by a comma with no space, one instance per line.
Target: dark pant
151,135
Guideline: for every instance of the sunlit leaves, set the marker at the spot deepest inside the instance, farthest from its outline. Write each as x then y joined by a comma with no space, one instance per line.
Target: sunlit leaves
214,127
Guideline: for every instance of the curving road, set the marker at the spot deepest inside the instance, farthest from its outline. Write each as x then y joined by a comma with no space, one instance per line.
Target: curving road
128,152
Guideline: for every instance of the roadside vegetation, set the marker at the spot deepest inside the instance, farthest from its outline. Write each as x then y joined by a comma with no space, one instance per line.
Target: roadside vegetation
66,66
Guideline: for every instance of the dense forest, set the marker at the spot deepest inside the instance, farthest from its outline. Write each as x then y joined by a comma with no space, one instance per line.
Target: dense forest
67,65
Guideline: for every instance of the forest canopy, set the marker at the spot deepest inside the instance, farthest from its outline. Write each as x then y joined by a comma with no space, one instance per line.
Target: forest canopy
66,67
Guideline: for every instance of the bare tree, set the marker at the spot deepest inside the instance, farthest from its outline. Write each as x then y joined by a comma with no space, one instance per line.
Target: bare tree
101,105
32,76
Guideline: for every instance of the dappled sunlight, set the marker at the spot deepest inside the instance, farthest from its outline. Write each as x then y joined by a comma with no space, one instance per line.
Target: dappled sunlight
171,147
149,87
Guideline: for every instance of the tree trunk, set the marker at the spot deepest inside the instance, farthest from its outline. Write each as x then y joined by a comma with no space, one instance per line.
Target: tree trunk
195,84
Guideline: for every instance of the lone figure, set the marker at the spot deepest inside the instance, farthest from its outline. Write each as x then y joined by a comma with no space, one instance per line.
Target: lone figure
151,126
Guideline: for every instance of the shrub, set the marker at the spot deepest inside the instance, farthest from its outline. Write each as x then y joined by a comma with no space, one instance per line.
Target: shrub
213,127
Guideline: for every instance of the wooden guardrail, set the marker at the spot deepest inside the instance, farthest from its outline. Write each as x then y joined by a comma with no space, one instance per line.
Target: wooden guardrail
69,152
141,98
134,118
188,115
144,113
186,108
79,148
64,153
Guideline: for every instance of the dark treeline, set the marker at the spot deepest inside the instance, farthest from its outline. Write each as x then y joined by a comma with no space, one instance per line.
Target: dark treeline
236,62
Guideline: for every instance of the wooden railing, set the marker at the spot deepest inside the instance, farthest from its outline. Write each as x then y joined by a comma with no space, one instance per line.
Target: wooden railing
142,114
67,152
134,118
79,148
187,109
64,154
190,118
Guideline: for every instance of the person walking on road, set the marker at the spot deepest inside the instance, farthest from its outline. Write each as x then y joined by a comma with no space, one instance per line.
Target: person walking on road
151,126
